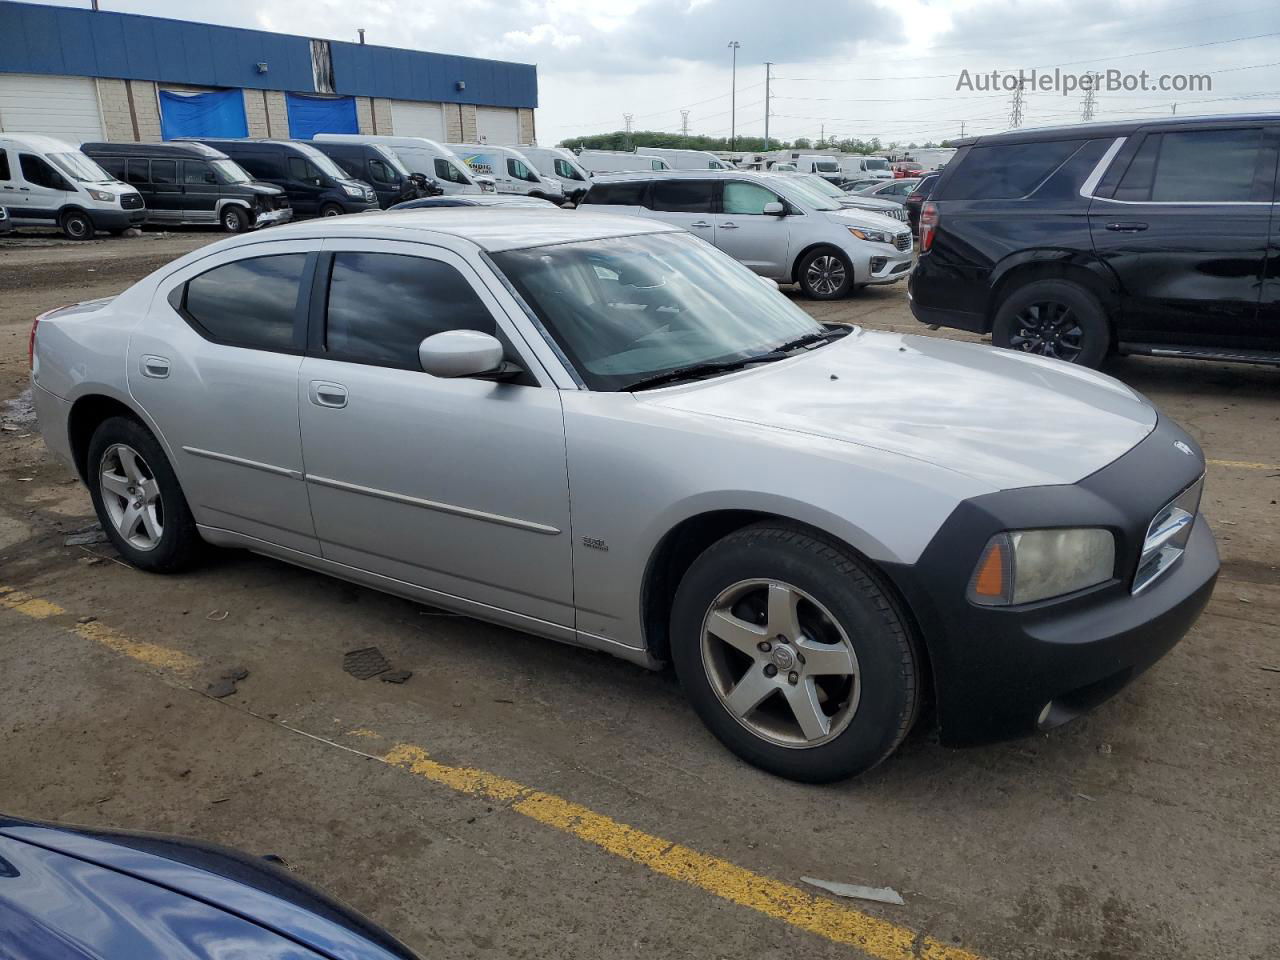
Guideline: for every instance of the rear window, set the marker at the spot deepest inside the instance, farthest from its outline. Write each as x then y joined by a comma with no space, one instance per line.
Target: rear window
683,196
1007,171
617,194
248,303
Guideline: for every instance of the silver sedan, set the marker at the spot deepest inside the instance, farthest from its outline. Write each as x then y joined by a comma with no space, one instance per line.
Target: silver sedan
607,432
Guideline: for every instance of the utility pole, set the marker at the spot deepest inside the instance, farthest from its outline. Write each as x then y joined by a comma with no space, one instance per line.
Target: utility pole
1015,108
962,123
1090,98
626,120
684,123
1175,109
733,97
822,134
768,71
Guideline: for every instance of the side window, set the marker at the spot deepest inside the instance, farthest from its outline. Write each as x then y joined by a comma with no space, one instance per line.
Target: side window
197,172
4,166
297,168
138,171
1008,171
447,171
38,173
349,165
380,172
683,196
617,194
1206,166
564,170
659,165
113,165
746,198
518,169
259,167
164,171
248,303
382,305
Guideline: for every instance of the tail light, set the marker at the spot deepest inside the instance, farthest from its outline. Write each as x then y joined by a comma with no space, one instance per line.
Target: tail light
928,225
31,344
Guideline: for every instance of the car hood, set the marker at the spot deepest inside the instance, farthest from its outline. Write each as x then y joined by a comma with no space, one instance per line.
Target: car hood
849,216
263,189
869,203
998,416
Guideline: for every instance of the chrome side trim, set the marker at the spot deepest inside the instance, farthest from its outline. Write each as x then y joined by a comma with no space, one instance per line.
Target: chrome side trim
434,505
242,462
1095,177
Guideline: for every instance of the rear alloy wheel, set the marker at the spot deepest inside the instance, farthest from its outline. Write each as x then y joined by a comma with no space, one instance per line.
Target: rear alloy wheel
825,275
793,655
77,226
234,220
1056,319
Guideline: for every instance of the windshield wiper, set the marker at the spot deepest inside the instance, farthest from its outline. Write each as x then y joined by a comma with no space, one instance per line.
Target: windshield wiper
826,336
695,370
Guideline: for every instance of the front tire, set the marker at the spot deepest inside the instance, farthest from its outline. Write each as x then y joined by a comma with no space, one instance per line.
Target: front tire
825,274
234,220
1054,318
77,225
138,499
794,655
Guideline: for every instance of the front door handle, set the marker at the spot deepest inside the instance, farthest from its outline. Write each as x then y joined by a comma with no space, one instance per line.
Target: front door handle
700,224
1130,226
325,393
728,226
155,367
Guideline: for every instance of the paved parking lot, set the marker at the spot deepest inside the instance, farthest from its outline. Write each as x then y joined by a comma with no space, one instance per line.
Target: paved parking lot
516,798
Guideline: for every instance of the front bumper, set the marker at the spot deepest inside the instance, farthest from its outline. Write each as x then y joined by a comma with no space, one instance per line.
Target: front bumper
271,217
891,266
117,219
1009,672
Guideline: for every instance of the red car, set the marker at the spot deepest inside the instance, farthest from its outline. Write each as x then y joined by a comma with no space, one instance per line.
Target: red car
908,168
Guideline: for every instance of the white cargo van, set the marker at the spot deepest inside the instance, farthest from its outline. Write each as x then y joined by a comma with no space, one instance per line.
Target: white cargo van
48,182
856,167
826,167
511,170
686,159
420,155
619,161
561,164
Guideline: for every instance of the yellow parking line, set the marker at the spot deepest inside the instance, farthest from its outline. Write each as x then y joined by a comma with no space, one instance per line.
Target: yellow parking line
1244,464
828,919
874,936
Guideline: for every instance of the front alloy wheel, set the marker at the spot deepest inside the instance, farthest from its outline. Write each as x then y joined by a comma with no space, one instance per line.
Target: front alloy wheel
825,275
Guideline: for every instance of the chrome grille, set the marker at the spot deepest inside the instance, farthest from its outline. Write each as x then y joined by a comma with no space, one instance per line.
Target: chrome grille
131,201
1167,536
902,241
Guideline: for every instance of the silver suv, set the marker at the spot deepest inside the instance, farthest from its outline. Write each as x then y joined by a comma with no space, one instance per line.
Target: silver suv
777,225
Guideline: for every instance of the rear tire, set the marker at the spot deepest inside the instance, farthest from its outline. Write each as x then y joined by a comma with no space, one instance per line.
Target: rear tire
234,220
825,274
1053,318
794,655
76,225
138,499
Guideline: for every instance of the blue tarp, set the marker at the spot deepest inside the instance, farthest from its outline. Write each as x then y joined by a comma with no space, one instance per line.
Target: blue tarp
202,114
311,115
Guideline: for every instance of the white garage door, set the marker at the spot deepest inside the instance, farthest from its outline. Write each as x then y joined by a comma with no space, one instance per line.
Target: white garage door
499,125
63,107
410,119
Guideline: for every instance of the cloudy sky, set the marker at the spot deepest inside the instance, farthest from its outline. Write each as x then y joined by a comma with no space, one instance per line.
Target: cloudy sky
856,68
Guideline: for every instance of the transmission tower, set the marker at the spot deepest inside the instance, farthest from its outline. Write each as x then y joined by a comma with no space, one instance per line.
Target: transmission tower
626,119
1090,99
1015,108
684,123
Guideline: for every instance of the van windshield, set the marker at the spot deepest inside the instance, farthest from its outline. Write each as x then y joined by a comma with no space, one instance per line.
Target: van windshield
322,162
79,167
876,163
827,166
230,171
392,160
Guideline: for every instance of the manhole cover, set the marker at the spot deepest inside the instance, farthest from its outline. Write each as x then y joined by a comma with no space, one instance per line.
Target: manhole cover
365,663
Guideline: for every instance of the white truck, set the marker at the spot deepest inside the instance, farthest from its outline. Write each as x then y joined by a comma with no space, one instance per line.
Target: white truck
857,167
561,164
686,159
511,170
423,156
619,161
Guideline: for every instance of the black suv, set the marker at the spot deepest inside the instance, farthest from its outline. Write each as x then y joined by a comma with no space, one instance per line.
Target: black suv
1149,237
192,183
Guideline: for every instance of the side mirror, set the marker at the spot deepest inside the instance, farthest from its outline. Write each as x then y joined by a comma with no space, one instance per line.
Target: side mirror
462,353
775,209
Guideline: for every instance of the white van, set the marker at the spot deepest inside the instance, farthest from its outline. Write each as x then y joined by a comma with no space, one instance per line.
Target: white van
865,168
619,161
686,159
561,164
420,155
826,167
511,170
48,182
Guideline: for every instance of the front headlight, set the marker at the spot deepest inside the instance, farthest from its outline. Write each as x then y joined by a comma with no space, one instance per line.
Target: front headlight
102,196
351,191
1022,566
873,236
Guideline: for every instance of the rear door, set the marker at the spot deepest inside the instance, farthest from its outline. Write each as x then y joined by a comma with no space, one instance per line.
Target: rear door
685,203
200,192
168,198
744,231
1182,221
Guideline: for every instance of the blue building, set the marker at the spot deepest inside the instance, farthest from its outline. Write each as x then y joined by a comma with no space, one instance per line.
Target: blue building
82,75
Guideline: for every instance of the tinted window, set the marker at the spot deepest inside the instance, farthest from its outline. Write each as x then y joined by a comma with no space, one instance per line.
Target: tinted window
683,196
382,173
1007,171
349,165
302,169
659,165
563,169
138,171
382,305
519,170
164,171
260,166
1206,165
4,166
447,171
38,173
249,303
617,194
745,198
113,165
197,172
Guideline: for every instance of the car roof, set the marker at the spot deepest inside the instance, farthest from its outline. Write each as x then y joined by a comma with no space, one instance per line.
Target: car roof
1114,128
39,142
491,228
622,176
169,149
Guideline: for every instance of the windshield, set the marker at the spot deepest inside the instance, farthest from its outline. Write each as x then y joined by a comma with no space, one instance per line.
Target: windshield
877,163
827,166
824,187
628,308
230,171
79,167
322,162
811,197
392,160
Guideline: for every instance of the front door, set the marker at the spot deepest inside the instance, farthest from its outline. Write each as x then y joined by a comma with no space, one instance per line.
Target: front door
1185,234
458,486
304,186
215,366
41,190
749,235
685,203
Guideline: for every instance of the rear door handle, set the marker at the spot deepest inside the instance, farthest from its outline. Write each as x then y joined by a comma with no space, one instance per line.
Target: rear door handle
155,367
700,224
325,393
728,226
1127,227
